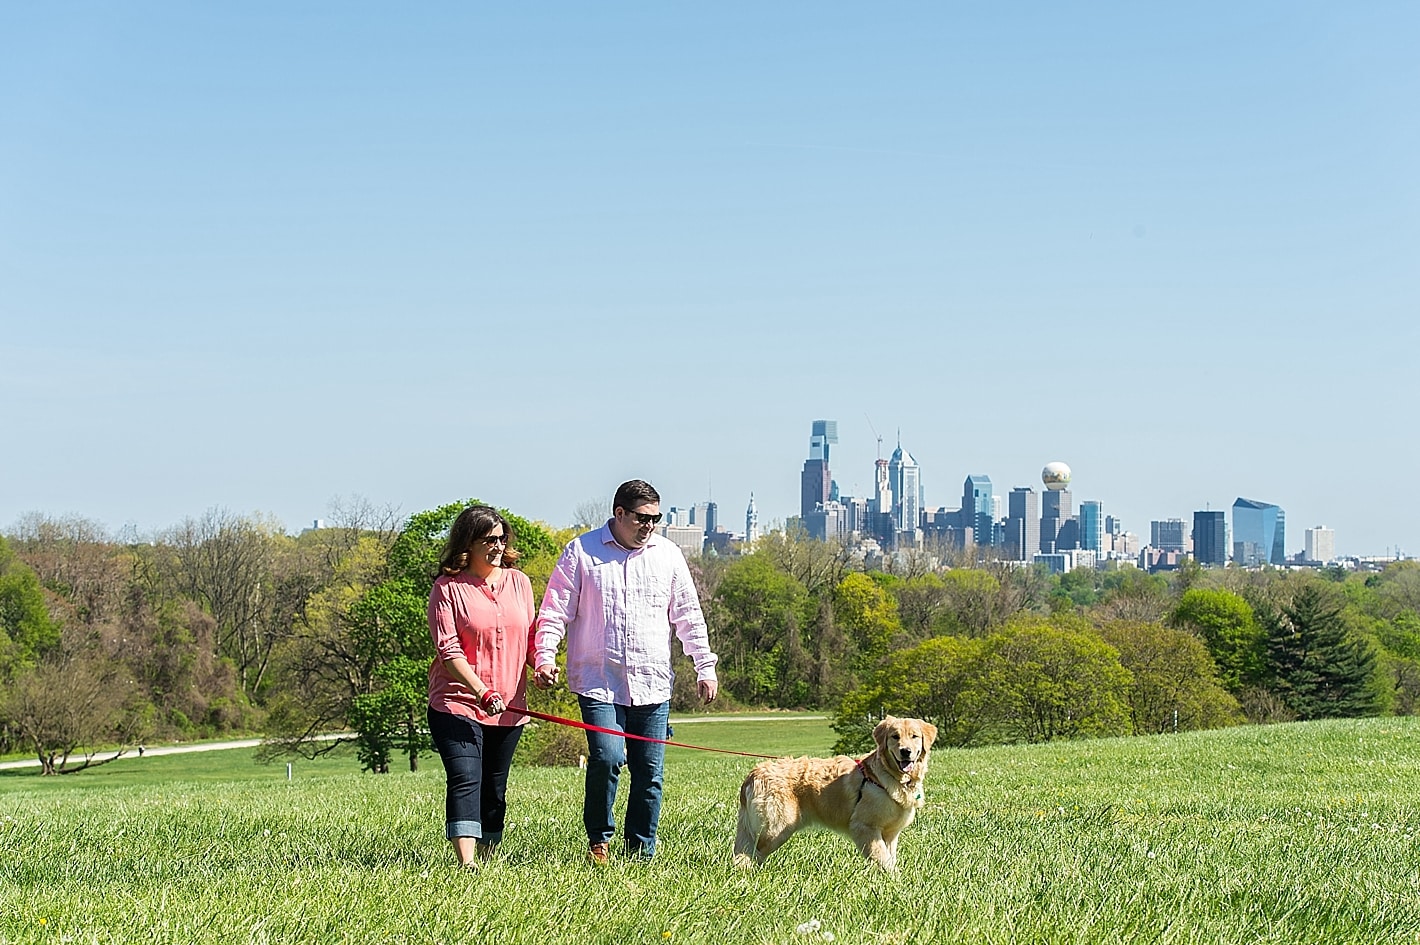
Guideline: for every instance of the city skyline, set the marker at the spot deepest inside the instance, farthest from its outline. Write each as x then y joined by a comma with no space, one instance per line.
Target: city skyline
261,257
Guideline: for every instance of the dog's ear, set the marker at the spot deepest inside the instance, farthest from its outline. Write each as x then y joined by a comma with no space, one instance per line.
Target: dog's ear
880,731
929,735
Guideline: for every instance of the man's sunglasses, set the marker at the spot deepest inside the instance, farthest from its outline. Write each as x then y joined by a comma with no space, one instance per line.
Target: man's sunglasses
643,519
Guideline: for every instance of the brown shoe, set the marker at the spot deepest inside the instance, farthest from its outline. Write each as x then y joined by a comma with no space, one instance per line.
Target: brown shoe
598,853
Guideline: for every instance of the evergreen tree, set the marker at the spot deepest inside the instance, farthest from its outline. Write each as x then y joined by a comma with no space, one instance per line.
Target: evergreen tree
1318,668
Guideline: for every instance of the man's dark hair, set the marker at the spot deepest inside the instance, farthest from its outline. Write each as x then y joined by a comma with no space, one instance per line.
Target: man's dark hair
632,493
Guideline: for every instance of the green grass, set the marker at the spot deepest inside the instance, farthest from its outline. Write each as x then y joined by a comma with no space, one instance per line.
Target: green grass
1296,833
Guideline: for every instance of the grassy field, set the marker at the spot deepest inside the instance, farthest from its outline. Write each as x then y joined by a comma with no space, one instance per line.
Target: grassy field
1295,833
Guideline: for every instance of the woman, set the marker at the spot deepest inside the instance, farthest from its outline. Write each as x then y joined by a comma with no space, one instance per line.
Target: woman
481,614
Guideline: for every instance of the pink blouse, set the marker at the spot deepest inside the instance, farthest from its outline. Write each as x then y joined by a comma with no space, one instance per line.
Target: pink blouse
492,630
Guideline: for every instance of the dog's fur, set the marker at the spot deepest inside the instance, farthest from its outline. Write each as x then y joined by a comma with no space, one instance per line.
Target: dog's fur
780,797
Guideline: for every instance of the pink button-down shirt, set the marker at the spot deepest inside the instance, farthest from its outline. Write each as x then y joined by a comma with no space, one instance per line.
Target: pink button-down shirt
617,610
492,630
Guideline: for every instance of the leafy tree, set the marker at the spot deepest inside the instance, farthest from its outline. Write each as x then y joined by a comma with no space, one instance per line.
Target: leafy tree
1319,669
818,565
936,680
72,701
1227,624
1044,682
1080,587
922,603
756,616
867,613
974,604
1131,594
1399,662
1176,685
27,631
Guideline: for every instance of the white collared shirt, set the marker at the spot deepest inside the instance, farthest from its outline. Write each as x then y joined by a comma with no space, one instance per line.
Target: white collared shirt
617,609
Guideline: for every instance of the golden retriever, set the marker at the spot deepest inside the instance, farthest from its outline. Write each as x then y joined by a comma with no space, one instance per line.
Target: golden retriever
870,801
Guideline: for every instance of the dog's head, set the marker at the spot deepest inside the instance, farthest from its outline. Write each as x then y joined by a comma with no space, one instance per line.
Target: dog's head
905,743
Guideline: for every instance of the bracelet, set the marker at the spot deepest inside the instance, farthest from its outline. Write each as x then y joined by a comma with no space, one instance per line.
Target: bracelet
489,695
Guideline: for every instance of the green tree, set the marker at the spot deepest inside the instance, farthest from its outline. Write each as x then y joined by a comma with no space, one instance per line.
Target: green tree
27,632
1227,624
756,616
973,605
1318,668
1176,685
1044,682
867,613
936,680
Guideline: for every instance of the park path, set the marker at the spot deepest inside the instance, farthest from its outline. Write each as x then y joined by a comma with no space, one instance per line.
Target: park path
253,742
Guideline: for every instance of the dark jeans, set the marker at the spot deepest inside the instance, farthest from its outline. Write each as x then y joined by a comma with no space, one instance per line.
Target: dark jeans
645,761
476,760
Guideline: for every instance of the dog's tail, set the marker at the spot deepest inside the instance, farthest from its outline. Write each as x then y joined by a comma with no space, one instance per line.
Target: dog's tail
747,831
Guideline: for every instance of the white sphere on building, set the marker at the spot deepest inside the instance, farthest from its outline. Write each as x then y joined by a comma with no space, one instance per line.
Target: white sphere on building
1056,476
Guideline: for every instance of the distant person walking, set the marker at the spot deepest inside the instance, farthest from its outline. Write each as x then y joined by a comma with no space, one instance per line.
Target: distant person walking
616,595
481,614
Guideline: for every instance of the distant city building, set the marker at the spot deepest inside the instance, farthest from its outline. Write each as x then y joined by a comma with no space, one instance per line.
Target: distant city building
816,489
1320,544
1091,526
1210,538
1022,524
1259,533
903,480
1153,559
1060,562
751,524
1112,525
689,538
1055,514
706,515
1169,534
978,509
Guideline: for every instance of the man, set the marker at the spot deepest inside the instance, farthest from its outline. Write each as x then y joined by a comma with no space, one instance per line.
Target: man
616,595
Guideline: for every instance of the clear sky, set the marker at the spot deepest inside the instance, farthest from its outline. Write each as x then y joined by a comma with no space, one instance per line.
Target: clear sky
257,256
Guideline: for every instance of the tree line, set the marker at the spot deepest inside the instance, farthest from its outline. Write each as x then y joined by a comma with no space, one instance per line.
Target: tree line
224,624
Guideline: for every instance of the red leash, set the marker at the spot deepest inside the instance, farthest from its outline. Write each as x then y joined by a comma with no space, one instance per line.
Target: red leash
640,738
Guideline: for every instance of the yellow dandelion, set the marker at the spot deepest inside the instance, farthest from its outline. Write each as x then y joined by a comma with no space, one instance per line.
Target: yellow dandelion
43,920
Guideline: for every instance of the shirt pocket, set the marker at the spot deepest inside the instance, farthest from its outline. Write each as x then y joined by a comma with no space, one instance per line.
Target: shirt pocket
654,592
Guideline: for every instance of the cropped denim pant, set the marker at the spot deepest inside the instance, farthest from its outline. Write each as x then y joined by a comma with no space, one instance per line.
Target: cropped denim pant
606,754
476,761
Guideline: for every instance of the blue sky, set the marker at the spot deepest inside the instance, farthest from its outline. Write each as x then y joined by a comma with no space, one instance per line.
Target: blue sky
259,256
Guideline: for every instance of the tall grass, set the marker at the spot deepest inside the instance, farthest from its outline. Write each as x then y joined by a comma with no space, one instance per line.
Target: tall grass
1296,833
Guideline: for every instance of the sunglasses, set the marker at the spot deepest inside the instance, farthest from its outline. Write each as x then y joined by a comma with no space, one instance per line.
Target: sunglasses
643,519
494,539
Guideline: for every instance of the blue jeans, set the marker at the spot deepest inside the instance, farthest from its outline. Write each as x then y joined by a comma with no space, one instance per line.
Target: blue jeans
476,762
646,760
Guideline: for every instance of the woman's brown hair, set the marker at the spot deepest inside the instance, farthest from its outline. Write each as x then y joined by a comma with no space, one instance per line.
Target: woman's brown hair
473,523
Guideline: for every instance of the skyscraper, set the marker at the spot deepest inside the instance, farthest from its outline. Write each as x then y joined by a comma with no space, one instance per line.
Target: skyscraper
1167,535
1022,524
1091,526
816,482
1054,514
1210,538
1320,544
1259,533
977,512
903,479
751,524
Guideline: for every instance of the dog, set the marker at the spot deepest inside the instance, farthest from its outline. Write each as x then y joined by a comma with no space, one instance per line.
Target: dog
871,801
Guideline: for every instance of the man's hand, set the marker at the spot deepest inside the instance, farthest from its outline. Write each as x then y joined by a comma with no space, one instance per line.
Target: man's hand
546,676
708,689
